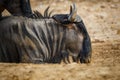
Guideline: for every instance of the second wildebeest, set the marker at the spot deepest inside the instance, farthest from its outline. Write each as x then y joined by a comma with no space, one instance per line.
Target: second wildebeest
16,7
41,40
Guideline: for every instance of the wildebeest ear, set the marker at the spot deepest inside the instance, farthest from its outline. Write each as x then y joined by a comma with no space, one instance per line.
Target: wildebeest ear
73,13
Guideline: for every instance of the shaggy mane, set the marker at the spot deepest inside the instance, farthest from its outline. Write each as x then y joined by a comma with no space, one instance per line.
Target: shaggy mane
39,15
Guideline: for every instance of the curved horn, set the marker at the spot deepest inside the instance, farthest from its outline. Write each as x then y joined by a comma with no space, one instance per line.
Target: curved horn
73,13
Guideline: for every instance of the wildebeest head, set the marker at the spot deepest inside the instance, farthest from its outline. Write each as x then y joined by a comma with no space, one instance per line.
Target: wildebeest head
81,40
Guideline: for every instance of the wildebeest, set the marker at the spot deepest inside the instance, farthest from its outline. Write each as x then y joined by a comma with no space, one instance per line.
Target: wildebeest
43,40
16,7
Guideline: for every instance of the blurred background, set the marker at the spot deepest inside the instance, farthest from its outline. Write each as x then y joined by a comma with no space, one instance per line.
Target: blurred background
102,20
101,17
